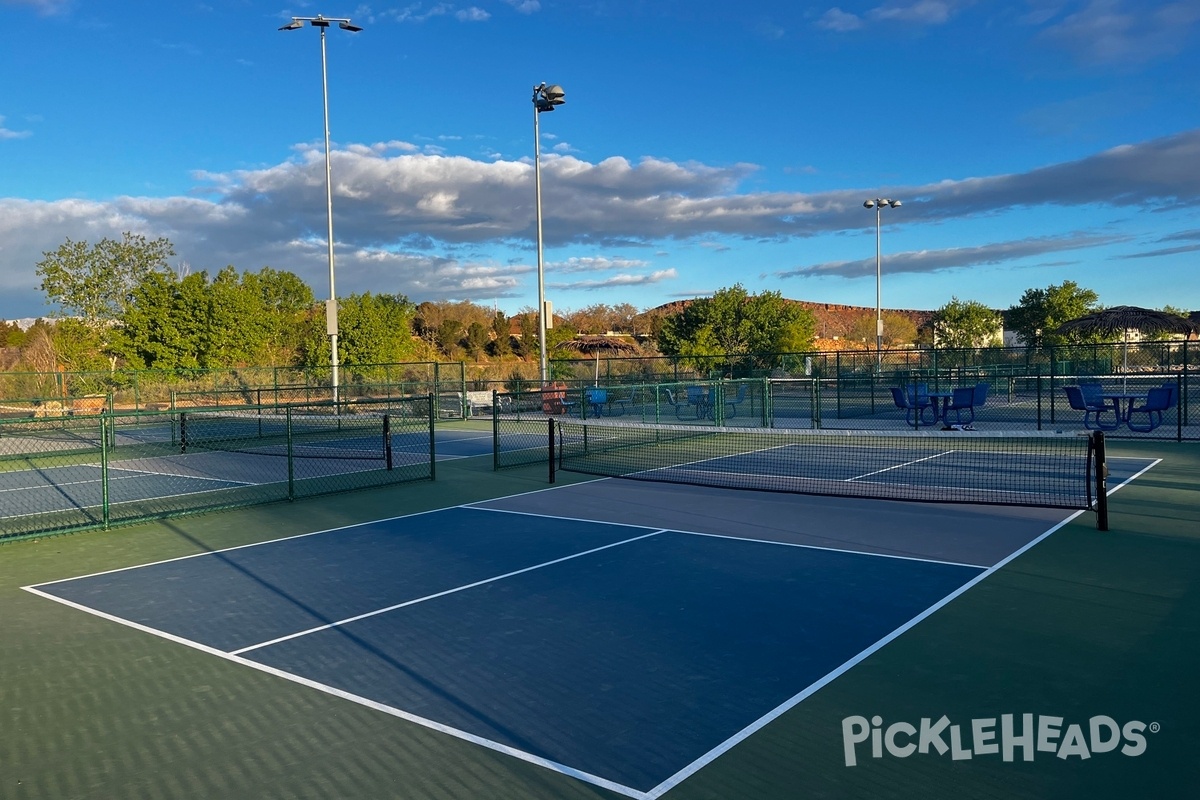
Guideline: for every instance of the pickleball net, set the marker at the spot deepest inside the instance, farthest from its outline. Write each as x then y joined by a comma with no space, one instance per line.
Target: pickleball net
289,432
1065,470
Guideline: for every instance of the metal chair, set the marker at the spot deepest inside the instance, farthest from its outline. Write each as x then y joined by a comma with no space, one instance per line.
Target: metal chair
680,405
1158,400
1091,412
912,412
963,399
731,404
981,392
596,398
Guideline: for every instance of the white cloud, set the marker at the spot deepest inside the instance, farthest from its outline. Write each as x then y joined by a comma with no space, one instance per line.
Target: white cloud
841,21
7,133
1115,31
925,261
525,6
616,281
595,264
920,12
429,226
46,7
472,14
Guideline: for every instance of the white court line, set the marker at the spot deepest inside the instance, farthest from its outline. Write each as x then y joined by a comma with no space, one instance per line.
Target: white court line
158,474
812,688
899,466
833,549
748,539
979,494
468,506
54,485
778,711
521,755
435,595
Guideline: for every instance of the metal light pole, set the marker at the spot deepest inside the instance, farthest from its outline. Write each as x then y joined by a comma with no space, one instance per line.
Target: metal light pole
878,204
331,319
545,98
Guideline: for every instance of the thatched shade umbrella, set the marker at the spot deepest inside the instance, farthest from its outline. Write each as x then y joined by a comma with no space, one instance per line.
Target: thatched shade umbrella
611,345
1123,319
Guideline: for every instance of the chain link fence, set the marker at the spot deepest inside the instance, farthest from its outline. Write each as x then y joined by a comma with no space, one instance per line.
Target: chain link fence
79,471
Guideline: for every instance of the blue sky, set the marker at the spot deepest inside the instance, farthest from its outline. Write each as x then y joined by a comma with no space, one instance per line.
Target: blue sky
702,144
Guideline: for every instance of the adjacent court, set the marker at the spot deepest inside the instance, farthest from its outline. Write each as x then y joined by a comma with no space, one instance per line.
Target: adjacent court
154,463
622,633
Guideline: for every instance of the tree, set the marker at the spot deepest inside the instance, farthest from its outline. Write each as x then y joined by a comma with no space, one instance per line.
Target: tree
190,322
966,323
1162,336
1041,311
501,345
528,344
449,335
898,329
11,334
375,329
477,340
737,325
93,282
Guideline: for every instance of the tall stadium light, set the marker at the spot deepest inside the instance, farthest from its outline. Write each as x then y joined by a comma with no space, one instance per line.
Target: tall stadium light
331,317
545,98
878,204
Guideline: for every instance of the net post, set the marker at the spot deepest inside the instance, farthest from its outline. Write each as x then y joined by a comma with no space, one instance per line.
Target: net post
183,431
387,440
287,434
495,430
1101,462
433,413
550,446
1179,385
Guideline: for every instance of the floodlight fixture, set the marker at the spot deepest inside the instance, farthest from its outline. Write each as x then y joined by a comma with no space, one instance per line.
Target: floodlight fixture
331,317
545,98
879,203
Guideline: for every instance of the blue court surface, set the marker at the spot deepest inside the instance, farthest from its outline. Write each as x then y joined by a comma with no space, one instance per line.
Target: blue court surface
626,656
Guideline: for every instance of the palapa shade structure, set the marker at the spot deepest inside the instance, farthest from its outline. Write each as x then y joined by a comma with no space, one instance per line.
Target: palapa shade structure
610,345
1123,319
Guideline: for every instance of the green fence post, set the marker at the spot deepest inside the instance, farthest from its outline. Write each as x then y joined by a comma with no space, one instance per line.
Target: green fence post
1039,404
1053,363
875,376
766,401
104,504
816,383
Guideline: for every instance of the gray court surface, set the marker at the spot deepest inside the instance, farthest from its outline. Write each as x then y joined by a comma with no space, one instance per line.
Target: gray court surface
965,534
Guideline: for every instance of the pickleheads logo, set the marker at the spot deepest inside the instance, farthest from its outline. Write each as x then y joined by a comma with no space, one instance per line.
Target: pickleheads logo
1028,734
